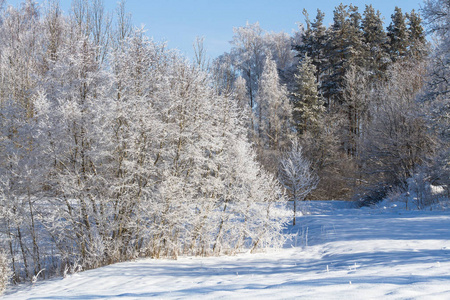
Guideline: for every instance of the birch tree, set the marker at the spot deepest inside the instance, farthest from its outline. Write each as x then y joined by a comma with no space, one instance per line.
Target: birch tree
296,175
5,272
249,54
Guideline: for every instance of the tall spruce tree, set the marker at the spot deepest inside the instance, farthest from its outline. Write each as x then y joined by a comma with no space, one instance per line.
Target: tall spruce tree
344,49
308,104
356,46
336,52
416,36
375,43
397,33
319,59
306,44
314,41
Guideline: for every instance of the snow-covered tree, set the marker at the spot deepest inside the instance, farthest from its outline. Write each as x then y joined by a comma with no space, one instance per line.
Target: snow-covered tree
250,47
131,143
241,96
21,50
397,139
274,114
296,175
437,17
18,185
240,93
248,54
5,272
72,124
224,73
255,200
90,19
279,44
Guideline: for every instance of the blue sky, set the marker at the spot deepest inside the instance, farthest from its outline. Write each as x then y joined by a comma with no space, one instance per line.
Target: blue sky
180,22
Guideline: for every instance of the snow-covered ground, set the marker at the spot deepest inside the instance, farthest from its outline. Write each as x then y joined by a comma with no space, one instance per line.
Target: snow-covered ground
338,253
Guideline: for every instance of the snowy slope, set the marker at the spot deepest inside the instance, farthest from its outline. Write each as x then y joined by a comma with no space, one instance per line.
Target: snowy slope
340,253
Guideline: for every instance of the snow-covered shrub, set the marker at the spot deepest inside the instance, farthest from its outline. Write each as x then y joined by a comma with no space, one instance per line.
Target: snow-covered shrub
418,193
170,168
5,272
419,189
398,197
136,156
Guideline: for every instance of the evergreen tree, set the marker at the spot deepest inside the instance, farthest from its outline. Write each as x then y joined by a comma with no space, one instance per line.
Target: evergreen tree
336,53
397,33
375,43
308,105
314,43
306,45
416,36
355,40
345,49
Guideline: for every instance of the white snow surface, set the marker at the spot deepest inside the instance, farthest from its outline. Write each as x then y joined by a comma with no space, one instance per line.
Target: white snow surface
338,252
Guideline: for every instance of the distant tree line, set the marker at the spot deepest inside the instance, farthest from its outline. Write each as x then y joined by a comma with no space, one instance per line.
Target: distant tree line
360,93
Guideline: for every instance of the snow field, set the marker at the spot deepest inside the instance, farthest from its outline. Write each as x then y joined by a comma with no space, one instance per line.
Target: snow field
350,254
